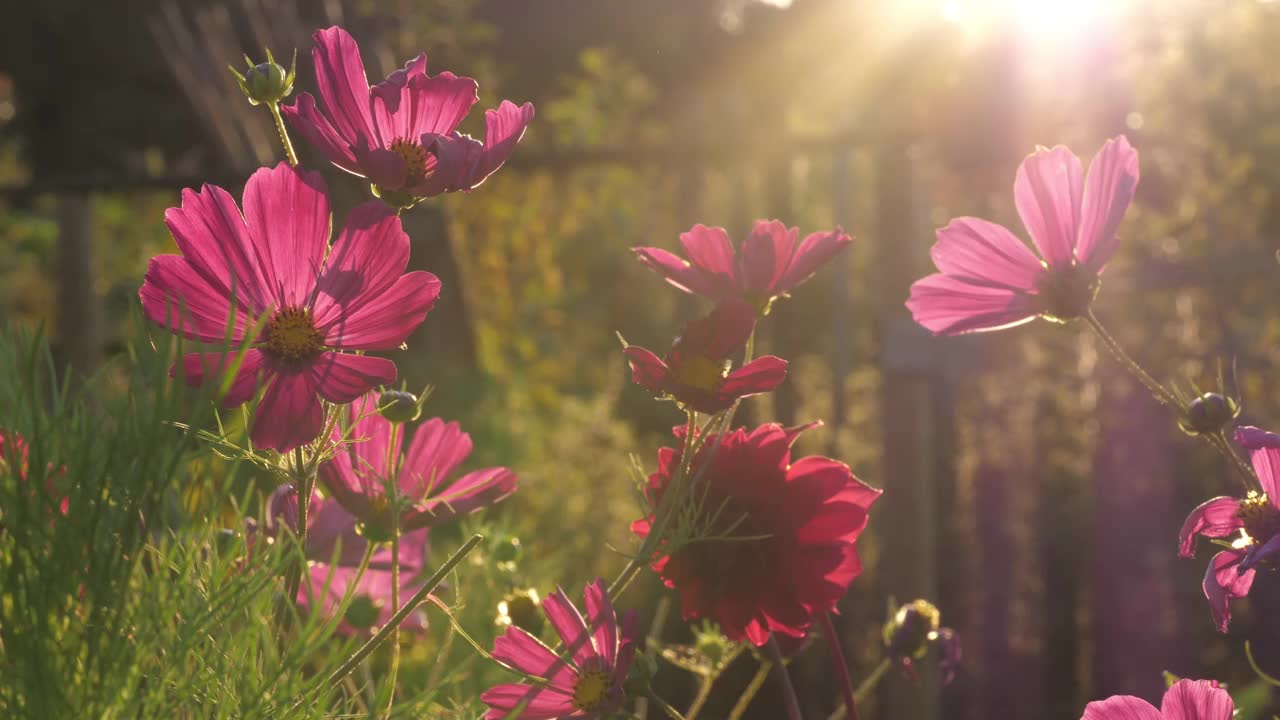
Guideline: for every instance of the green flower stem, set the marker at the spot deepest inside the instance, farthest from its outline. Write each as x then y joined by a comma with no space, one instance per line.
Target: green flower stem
666,708
1227,448
789,697
860,695
304,483
393,485
427,587
749,694
842,668
284,133
704,694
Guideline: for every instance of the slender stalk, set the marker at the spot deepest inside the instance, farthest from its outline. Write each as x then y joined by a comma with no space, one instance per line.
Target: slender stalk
704,693
788,690
427,587
753,687
671,712
842,668
304,482
1157,390
860,695
1227,449
284,134
392,489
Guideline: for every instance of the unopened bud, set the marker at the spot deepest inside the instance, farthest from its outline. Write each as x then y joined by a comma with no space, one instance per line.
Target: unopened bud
910,631
1209,413
522,608
363,612
711,644
268,82
399,406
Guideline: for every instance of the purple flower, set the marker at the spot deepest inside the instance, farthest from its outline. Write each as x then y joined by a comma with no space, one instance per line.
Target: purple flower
1256,518
402,133
989,280
1185,700
587,682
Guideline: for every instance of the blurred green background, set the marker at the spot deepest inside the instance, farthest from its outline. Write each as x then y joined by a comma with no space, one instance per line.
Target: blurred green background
1032,490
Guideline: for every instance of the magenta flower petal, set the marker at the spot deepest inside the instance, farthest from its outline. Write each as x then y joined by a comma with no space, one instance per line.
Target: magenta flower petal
570,626
761,375
647,370
370,254
816,250
520,650
721,333
385,322
1216,518
289,414
327,584
212,237
385,168
503,129
710,250
766,255
471,492
175,295
983,253
603,620
437,449
1223,582
1121,707
309,122
679,272
1047,194
288,217
341,377
343,85
951,306
542,703
409,104
1264,454
199,368
1197,700
1108,190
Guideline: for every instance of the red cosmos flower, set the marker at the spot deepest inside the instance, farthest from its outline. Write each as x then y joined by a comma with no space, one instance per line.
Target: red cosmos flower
696,371
357,476
785,532
14,456
586,684
772,262
1255,517
402,133
316,303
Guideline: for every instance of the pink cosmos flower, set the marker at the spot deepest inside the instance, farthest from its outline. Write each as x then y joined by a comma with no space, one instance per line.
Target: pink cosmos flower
696,373
771,262
587,683
402,133
357,476
1184,700
1255,517
270,278
990,280
335,548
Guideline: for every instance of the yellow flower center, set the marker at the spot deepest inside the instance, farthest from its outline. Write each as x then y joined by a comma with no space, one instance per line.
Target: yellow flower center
700,372
592,688
291,336
414,155
1261,519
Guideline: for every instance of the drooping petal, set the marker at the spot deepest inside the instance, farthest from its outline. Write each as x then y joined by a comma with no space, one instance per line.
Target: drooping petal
539,703
456,158
520,650
814,251
1264,454
1047,193
766,255
287,212
1216,518
710,250
1197,700
680,272
409,104
1223,582
983,253
1108,190
386,321
647,370
289,414
603,620
212,236
436,450
570,626
199,368
1121,707
368,257
175,296
343,85
761,375
503,129
342,377
311,124
472,492
950,306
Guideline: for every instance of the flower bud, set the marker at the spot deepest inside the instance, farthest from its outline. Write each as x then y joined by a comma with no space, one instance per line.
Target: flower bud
267,82
362,613
912,629
282,508
399,406
711,644
1208,413
507,550
522,608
